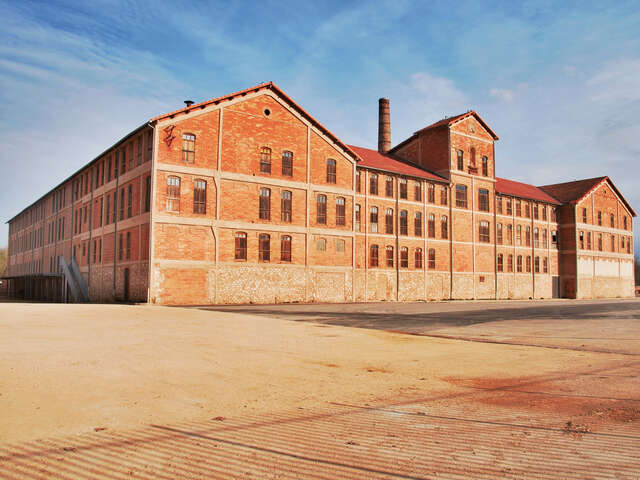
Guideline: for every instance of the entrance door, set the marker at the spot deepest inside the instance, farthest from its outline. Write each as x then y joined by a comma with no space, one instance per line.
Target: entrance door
126,284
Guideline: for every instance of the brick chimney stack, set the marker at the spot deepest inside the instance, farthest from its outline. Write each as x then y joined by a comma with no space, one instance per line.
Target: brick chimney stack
384,126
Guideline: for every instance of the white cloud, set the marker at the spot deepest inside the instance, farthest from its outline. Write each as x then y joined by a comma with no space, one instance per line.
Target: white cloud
503,94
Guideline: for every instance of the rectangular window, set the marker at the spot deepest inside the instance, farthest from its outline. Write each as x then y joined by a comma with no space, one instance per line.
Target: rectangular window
240,246
444,196
373,184
358,218
519,264
130,155
519,235
417,192
404,257
340,211
331,171
483,200
444,227
509,210
358,181
265,160
584,215
199,196
373,255
527,211
173,194
510,263
389,251
121,216
129,201
484,232
388,186
432,258
287,163
321,209
499,263
373,219
128,251
101,209
139,150
264,247
498,205
544,212
286,206
147,194
518,208
403,188
418,258
535,211
285,248
115,206
461,196
188,148
485,166
149,145
527,236
599,218
120,247
417,224
460,155
431,226
388,221
431,193
499,234
265,204
404,227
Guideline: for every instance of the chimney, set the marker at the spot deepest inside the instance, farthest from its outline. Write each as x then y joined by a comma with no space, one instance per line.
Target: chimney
188,103
384,126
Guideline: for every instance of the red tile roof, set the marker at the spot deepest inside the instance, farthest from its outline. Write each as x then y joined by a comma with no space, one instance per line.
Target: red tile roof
454,119
377,161
573,192
523,190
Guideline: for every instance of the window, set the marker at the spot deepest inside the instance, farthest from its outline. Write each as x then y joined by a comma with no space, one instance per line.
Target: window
403,188
518,208
123,166
373,255
545,265
373,184
404,222
417,224
483,200
101,209
287,163
544,212
443,196
581,239
120,247
373,219
519,235
588,240
536,213
519,264
499,234
358,218
498,205
510,263
629,245
121,206
545,241
417,191
431,226
108,175
339,245
527,236
265,160
285,248
285,206
129,200
554,237
404,257
432,258
613,243
527,211
115,203
600,242
321,209
147,195
624,222
460,160
331,171
388,221
389,253
536,238
536,264
130,156
461,196
358,182
500,265
483,232
509,210
264,247
485,166
528,263
431,193
265,204
444,227
599,218
584,215
388,187
613,221
241,246
340,211
139,150
173,195
149,145
418,258
128,250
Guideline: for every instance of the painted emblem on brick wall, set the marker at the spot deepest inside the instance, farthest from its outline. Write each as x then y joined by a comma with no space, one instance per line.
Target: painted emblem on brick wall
169,136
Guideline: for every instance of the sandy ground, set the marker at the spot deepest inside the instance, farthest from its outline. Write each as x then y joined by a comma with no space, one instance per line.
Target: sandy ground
101,373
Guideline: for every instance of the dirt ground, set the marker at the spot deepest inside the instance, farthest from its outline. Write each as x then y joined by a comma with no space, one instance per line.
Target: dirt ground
480,389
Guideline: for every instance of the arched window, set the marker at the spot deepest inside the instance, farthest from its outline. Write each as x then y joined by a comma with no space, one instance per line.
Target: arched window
518,234
173,194
536,238
509,206
444,196
599,218
404,257
613,220
499,263
536,264
373,255
121,206
129,201
340,211
389,250
528,263
358,181
432,258
331,171
373,184
545,265
339,245
404,222
265,160
519,264
373,219
264,247
188,148
545,238
509,234
265,204
510,263
460,160
321,209
527,236
499,233
388,221
473,156
485,167
388,186
418,258
241,246
431,193
403,188
417,224
287,163
199,196
600,242
285,206
417,192
444,227
321,245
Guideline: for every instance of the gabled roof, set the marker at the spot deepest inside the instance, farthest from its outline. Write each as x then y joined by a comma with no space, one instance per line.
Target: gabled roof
262,86
523,190
386,163
573,192
448,121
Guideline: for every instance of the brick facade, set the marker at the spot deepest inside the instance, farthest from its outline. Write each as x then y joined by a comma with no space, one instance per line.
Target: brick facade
247,198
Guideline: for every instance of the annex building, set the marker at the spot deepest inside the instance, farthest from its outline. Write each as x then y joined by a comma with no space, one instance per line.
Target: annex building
247,198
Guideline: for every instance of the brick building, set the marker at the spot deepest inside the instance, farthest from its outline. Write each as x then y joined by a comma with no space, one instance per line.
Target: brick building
247,198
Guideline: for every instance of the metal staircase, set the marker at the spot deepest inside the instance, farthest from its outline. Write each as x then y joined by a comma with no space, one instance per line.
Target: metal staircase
74,281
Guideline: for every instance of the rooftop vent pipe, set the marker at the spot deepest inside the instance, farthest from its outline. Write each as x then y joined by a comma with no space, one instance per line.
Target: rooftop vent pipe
188,103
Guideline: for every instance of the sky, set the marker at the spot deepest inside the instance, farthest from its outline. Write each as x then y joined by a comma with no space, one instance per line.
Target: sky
559,82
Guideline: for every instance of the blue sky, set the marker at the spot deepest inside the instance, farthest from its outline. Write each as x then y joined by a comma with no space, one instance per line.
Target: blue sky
558,81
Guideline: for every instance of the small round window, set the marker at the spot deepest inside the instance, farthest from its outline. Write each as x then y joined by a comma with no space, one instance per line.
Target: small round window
267,112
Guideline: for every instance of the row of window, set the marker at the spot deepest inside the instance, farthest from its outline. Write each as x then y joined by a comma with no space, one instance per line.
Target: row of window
403,223
404,257
484,163
612,219
538,211
625,242
95,255
199,195
505,236
403,186
519,258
